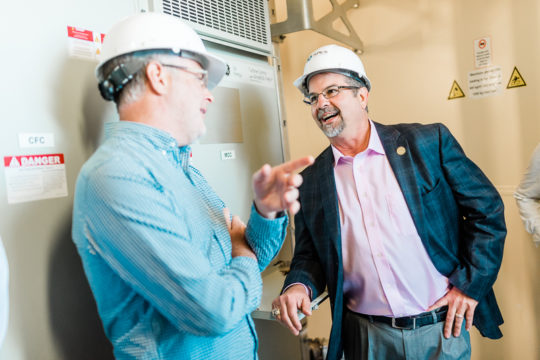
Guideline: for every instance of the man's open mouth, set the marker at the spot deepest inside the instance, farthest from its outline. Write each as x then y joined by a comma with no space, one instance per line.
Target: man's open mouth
325,117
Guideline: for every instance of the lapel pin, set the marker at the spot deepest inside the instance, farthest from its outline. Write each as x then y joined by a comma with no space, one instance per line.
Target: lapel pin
401,150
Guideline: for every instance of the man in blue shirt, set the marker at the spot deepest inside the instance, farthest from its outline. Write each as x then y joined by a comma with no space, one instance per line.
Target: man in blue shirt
174,277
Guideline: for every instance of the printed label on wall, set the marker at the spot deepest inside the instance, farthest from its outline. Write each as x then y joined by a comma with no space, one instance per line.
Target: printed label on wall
253,74
228,155
36,140
84,44
35,177
485,82
482,52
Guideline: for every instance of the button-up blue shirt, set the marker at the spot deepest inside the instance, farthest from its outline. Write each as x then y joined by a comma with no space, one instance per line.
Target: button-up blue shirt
157,252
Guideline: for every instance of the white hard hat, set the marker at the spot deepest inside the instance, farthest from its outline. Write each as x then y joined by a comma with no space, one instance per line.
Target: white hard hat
147,32
332,58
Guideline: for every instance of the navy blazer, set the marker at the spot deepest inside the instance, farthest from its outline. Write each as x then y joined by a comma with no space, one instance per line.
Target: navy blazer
457,212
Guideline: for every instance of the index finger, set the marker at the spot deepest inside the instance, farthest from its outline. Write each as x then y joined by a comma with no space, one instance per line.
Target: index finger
448,324
441,302
289,316
294,165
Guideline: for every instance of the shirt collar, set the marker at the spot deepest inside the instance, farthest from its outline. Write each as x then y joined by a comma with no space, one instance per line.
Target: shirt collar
374,146
158,139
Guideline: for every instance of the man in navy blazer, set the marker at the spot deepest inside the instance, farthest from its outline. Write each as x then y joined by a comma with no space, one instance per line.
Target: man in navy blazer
403,230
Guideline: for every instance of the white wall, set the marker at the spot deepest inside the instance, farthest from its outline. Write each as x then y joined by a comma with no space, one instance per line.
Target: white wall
44,90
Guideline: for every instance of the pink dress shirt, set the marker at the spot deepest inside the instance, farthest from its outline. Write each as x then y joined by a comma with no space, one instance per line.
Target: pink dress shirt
387,270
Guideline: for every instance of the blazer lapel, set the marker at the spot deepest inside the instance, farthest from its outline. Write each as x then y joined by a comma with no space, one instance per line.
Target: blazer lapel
399,156
328,196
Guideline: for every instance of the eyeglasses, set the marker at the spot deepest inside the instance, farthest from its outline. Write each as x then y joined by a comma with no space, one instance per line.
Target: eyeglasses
200,74
328,93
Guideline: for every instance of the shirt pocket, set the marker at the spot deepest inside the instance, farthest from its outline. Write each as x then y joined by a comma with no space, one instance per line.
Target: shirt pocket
400,217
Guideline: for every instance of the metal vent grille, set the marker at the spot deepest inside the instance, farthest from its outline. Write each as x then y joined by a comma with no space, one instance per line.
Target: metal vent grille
243,18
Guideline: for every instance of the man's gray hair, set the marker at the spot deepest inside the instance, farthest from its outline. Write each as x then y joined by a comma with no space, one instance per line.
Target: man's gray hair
357,83
133,90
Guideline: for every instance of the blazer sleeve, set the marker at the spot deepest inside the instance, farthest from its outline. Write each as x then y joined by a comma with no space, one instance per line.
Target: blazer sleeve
306,266
483,228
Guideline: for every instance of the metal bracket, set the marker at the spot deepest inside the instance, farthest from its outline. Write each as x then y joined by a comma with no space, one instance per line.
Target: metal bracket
300,17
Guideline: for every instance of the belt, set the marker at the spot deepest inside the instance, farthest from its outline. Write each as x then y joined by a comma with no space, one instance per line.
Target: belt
409,322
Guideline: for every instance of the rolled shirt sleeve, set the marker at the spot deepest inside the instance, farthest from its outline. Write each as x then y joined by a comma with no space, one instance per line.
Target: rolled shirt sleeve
265,236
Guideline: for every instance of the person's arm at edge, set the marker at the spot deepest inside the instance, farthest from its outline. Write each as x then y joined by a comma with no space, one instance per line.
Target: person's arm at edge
527,197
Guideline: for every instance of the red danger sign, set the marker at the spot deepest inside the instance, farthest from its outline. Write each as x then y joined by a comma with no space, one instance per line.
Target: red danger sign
482,43
33,160
82,34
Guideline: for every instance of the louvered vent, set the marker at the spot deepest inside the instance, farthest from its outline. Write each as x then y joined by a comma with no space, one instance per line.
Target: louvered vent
243,18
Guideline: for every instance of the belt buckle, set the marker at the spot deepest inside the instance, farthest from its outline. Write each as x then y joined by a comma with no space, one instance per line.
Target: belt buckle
404,327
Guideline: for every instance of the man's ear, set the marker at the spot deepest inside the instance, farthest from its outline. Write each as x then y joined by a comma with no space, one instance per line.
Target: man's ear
157,78
364,94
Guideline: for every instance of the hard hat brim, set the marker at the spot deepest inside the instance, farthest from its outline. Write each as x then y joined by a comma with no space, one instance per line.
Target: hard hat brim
301,85
214,65
216,69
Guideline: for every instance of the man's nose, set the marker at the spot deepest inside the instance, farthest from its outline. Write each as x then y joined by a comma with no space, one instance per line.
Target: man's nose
322,101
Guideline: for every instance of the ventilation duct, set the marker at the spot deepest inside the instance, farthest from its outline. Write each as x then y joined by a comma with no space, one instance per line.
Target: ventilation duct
242,24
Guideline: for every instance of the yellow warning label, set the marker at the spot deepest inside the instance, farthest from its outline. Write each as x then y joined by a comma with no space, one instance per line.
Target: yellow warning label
455,92
516,80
